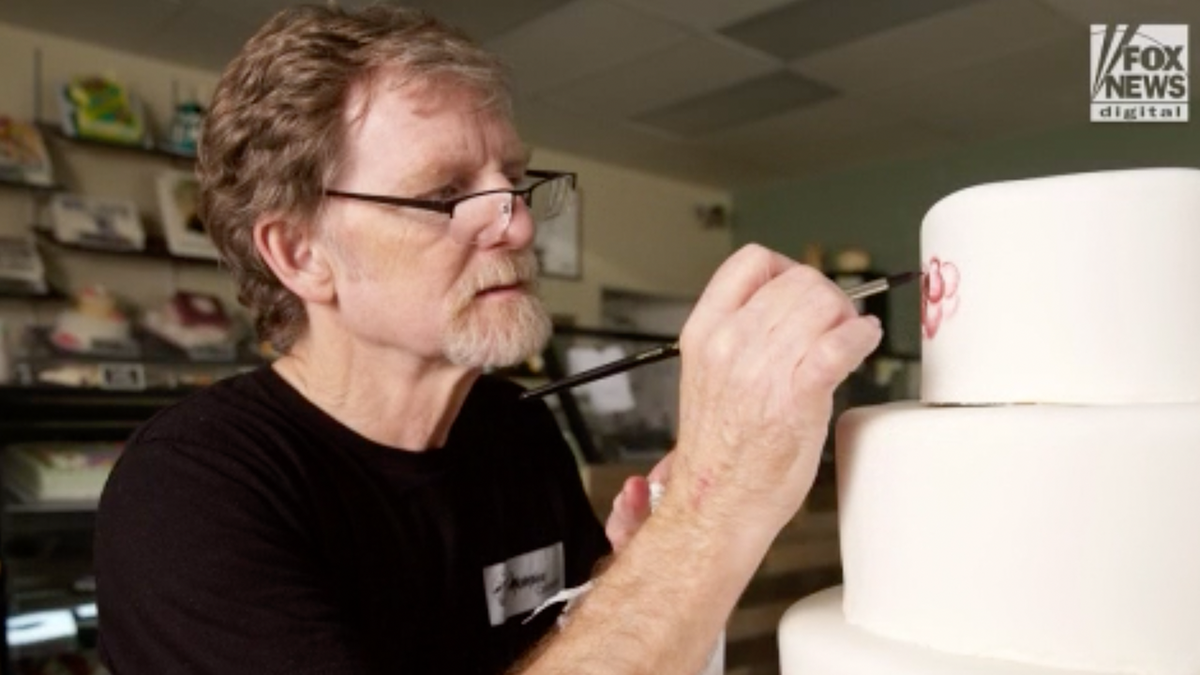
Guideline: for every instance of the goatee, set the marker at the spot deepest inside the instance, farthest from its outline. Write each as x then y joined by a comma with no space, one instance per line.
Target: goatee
497,334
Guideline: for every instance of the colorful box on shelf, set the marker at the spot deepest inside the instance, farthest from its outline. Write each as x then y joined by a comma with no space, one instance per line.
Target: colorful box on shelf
23,156
195,323
58,472
97,222
184,133
21,268
98,108
96,325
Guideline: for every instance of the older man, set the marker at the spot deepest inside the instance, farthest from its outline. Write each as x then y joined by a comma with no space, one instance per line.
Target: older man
370,503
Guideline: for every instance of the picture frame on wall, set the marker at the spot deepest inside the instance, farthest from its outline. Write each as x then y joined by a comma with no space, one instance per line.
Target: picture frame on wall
178,195
558,241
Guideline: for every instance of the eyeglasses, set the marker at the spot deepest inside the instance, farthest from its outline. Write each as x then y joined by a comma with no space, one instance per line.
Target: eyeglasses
482,218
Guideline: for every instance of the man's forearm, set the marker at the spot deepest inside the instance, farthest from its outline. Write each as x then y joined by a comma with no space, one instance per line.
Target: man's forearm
644,615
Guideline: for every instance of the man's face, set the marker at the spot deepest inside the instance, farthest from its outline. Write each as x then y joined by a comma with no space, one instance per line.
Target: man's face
402,281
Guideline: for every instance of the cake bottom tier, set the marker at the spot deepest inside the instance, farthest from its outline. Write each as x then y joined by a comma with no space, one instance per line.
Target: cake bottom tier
815,639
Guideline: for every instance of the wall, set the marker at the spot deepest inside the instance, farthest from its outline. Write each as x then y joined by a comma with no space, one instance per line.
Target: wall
639,231
880,207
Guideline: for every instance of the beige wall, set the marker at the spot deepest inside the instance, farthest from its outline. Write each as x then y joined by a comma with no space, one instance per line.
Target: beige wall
639,230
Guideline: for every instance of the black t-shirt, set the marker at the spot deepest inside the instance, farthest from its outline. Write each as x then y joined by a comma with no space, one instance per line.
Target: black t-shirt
244,531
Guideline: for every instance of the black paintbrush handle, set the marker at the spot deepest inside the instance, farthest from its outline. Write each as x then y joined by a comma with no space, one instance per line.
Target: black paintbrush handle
671,350
619,366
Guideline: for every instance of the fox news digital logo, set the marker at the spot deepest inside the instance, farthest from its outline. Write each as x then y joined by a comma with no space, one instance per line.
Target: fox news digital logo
1139,73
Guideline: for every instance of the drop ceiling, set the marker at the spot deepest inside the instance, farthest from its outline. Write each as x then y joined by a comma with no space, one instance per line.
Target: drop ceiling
722,92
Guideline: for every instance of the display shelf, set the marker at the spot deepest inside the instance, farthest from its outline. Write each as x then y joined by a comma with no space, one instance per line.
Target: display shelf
14,184
68,414
51,507
151,351
156,151
156,249
150,364
51,293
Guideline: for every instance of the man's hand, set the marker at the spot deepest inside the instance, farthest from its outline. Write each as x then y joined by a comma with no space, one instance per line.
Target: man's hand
631,506
763,351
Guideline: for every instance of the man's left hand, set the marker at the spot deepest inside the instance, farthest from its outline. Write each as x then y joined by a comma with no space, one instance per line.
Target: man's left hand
631,507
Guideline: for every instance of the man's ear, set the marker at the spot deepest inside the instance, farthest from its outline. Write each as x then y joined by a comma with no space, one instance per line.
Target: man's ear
290,250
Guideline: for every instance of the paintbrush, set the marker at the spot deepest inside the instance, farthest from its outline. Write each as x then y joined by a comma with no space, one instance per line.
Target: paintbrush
668,351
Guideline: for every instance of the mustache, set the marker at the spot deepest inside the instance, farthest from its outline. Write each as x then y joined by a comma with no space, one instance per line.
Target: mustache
507,270
521,268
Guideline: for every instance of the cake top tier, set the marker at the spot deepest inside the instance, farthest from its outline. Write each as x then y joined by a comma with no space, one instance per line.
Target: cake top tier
1071,289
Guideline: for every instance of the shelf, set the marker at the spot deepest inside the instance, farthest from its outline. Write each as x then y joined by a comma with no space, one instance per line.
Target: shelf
68,398
155,151
50,294
42,413
57,507
31,187
156,249
151,351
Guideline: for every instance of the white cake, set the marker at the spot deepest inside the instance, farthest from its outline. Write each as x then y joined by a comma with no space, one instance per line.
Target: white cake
1073,289
1038,511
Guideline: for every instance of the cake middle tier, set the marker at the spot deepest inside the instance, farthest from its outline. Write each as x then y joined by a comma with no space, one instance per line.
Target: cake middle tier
1060,536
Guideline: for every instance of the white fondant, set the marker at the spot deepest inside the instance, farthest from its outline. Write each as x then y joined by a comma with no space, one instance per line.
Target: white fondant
1064,536
815,639
1071,289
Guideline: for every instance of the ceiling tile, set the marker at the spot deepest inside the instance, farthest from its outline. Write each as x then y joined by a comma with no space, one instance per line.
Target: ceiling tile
895,142
485,20
820,142
810,26
828,120
693,67
580,38
542,125
826,134
1036,89
1087,12
736,105
707,13
202,37
255,12
945,42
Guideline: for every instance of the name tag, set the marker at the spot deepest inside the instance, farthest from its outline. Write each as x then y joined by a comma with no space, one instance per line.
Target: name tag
523,582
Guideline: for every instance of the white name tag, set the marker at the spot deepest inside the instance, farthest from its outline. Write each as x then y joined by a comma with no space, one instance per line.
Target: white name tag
523,582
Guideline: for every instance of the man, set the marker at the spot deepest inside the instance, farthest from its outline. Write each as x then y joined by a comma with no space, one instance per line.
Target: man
370,503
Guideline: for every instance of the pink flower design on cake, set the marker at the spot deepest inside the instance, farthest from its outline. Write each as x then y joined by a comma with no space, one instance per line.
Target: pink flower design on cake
939,294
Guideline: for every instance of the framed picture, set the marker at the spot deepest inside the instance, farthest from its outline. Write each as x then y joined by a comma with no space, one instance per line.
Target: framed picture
558,242
185,234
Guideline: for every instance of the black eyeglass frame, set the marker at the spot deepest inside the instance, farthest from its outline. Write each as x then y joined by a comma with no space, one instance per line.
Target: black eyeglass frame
447,206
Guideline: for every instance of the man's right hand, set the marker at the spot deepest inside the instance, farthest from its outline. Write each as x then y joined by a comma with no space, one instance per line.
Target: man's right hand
763,351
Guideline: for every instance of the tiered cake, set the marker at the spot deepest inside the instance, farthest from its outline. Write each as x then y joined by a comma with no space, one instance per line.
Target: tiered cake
1038,512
